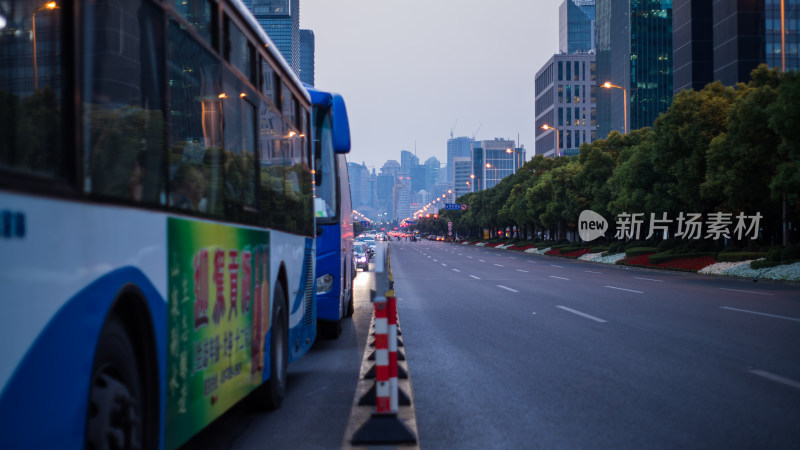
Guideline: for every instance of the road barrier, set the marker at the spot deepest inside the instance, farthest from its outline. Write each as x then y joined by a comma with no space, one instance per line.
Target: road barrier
387,424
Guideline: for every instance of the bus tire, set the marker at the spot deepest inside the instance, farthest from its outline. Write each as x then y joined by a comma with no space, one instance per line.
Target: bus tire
329,329
114,413
350,309
274,390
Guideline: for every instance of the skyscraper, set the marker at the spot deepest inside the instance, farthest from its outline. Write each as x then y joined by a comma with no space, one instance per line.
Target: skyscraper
281,20
634,52
692,37
494,160
307,57
576,26
772,33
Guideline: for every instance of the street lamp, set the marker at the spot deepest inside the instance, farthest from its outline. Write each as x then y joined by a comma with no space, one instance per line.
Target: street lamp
608,85
548,127
51,6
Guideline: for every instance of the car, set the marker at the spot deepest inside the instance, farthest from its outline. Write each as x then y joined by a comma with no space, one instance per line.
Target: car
360,257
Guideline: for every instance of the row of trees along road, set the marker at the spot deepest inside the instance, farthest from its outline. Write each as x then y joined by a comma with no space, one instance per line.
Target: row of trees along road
721,149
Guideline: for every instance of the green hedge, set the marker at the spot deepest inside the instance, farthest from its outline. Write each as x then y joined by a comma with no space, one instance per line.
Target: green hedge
636,251
739,256
670,256
763,263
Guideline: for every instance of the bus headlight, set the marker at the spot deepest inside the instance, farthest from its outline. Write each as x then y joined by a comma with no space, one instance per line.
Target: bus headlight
324,283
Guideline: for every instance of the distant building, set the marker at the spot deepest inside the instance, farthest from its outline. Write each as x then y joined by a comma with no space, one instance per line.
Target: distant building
634,51
494,160
566,95
692,42
576,26
307,56
772,31
456,148
281,20
462,183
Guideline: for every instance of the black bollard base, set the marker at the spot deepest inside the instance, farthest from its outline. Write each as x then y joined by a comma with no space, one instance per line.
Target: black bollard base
383,429
370,398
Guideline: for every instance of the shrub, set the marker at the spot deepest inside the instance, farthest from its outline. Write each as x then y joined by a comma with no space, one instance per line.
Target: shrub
659,258
616,247
668,244
599,249
739,256
774,256
791,252
635,251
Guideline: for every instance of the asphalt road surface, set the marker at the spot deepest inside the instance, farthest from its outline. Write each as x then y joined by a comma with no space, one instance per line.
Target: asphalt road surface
511,350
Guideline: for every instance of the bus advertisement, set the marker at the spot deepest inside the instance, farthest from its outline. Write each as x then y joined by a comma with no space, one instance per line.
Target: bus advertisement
157,229
333,209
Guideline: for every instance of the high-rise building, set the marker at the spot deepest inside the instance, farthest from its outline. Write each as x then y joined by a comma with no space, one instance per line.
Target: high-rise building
456,148
307,57
576,26
494,160
634,52
565,100
408,161
727,39
463,182
281,20
772,32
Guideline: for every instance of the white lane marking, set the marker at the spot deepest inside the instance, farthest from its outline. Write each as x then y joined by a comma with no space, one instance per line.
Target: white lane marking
560,267
532,262
596,319
623,289
761,314
444,264
589,271
460,254
777,378
428,256
512,257
533,313
498,265
506,288
456,270
560,278
316,390
435,260
473,276
749,292
481,260
649,279
520,270
470,257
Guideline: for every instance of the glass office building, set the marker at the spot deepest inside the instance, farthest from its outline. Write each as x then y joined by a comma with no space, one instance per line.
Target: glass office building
634,51
576,26
772,33
281,20
307,56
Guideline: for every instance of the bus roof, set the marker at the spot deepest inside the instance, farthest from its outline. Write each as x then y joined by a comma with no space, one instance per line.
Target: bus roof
271,47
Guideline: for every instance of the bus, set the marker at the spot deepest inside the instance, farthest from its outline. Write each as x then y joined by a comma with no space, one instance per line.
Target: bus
157,230
335,271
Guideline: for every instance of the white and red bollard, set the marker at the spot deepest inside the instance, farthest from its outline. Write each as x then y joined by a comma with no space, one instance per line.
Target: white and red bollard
383,394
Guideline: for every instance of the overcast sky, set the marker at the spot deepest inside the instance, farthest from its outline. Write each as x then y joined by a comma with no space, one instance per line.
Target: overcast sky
409,69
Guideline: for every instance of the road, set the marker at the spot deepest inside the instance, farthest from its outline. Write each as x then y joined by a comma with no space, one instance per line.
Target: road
511,350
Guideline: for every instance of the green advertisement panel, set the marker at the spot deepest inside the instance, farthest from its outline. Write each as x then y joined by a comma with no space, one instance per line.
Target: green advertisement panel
218,317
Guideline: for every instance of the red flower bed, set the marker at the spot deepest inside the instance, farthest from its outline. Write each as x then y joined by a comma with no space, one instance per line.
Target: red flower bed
693,264
553,252
686,264
577,253
493,245
521,247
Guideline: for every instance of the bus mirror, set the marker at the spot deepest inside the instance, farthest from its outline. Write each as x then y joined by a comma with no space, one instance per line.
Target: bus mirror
341,126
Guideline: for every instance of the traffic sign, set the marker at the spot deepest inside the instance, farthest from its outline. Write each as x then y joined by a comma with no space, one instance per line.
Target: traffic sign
463,206
365,223
453,206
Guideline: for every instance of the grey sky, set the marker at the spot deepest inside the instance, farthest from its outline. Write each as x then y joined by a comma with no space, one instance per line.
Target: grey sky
408,69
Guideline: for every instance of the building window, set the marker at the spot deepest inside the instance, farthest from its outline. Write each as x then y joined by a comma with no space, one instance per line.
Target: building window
569,70
569,116
577,117
560,94
576,76
560,73
569,93
560,116
592,72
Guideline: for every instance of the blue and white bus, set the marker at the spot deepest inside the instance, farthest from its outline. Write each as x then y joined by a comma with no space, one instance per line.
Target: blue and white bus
335,271
157,231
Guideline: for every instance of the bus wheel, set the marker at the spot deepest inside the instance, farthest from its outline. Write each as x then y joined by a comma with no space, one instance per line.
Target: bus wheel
115,396
329,329
274,390
350,309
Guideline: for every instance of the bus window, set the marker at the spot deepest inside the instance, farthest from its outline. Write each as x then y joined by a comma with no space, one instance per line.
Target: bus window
123,120
238,51
325,201
31,83
268,81
195,128
239,188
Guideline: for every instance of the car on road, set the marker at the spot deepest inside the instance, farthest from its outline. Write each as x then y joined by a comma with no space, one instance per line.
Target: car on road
360,256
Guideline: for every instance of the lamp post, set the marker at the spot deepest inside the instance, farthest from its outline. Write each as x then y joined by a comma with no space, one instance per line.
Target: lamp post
608,85
51,6
548,127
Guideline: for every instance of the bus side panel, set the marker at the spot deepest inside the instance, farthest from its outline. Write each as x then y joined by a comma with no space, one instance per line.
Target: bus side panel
51,384
329,261
288,251
346,214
